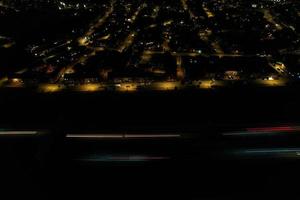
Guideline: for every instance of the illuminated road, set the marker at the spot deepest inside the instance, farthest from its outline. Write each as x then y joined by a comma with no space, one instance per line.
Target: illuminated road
3,81
8,7
84,40
208,12
130,38
186,8
194,54
268,16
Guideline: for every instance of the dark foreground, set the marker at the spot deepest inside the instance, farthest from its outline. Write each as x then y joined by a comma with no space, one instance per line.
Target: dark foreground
229,144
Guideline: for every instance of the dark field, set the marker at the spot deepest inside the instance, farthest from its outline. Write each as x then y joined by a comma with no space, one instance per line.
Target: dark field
202,164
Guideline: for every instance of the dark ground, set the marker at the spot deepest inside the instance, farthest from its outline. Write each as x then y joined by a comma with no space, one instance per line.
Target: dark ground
202,164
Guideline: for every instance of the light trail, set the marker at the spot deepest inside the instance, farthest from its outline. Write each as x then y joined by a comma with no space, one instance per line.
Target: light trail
17,133
122,136
265,131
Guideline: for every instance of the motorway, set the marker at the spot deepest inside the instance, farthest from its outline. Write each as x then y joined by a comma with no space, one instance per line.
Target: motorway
232,144
205,84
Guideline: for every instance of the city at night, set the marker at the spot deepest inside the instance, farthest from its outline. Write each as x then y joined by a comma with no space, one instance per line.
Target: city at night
149,99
